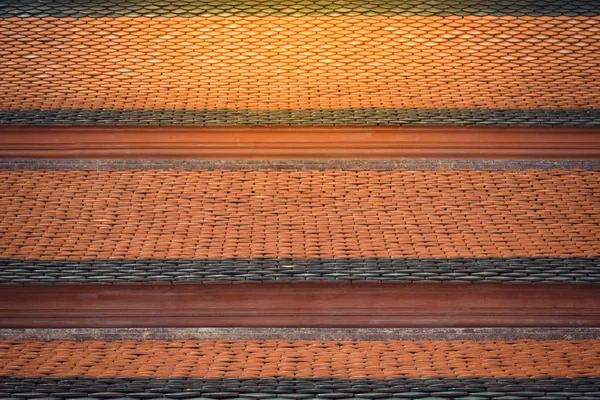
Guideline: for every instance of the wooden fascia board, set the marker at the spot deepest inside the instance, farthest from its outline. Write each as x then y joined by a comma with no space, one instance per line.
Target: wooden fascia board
256,143
300,305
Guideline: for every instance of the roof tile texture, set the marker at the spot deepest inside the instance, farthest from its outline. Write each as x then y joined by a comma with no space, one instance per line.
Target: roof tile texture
306,62
298,214
262,359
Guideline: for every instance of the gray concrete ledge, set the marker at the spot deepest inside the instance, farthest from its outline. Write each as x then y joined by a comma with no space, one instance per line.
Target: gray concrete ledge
299,165
319,334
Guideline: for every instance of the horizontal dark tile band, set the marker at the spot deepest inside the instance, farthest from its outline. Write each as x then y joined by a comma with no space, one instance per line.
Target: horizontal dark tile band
347,116
303,388
308,304
190,8
246,270
299,165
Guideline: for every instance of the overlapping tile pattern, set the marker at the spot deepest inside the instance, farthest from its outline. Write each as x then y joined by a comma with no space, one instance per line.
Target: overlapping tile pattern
301,359
302,388
288,8
345,116
300,63
260,226
301,369
299,214
245,270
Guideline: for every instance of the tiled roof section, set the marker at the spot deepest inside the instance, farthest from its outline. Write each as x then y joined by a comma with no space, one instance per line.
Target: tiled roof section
301,63
299,388
301,359
206,215
301,369
264,270
348,62
191,8
344,116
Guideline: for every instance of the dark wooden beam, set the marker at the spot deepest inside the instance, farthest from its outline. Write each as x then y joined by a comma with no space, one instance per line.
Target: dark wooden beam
300,305
254,143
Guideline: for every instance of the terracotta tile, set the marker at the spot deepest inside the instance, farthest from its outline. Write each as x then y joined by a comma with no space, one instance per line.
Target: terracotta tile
263,359
96,215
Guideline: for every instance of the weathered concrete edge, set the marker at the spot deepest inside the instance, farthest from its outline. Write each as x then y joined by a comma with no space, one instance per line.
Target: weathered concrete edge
102,165
319,334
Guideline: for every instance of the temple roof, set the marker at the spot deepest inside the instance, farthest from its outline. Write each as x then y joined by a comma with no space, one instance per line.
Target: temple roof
349,62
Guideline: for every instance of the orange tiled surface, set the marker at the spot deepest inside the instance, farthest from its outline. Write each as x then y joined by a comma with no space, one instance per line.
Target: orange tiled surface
322,62
262,359
305,214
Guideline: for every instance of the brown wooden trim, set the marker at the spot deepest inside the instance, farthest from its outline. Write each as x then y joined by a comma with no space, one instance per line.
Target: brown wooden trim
253,143
300,305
